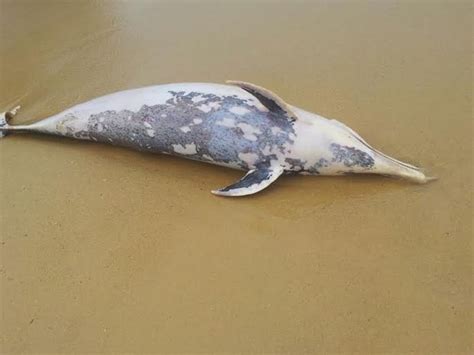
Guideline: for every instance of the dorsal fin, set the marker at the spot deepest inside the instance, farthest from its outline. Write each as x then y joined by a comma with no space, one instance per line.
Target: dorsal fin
268,99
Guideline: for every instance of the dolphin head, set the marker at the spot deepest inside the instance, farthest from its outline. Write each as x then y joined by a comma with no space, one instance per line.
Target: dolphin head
328,147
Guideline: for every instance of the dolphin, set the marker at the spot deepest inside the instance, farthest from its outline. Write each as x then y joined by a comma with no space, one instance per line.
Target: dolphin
238,125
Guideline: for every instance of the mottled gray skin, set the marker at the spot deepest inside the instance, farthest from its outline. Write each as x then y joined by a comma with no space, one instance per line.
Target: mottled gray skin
214,143
350,156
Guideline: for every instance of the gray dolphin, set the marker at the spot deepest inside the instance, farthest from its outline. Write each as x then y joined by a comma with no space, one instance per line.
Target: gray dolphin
238,125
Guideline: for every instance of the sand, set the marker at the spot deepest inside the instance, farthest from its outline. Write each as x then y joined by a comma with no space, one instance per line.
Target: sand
109,250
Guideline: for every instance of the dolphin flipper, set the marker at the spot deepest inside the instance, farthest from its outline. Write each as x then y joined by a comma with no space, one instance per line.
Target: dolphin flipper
254,181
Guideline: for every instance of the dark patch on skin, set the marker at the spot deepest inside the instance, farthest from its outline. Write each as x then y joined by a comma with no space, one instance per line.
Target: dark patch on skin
322,163
316,167
256,177
351,157
212,141
295,164
298,165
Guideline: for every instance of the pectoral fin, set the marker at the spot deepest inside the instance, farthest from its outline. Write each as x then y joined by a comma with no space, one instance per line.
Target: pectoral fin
253,182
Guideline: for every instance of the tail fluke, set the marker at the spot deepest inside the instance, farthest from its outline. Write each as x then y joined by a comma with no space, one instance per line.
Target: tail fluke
5,117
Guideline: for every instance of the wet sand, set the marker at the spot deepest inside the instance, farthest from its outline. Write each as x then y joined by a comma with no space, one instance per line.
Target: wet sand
109,250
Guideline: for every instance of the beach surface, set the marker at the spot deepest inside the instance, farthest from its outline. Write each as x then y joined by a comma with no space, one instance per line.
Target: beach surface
108,250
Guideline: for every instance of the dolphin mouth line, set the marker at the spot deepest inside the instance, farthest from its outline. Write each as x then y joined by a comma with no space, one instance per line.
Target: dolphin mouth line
409,171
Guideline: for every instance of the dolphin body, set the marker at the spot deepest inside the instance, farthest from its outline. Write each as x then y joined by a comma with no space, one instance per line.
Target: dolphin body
238,125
